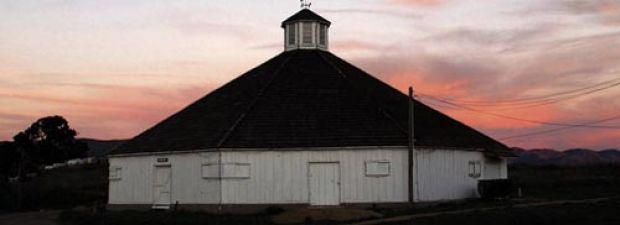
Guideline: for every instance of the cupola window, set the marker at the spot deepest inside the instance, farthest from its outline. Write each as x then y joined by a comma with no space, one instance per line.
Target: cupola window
307,33
322,34
291,34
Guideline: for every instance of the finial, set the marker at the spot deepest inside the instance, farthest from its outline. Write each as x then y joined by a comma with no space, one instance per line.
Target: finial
305,4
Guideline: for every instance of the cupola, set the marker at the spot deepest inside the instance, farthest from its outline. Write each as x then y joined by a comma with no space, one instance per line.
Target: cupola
306,30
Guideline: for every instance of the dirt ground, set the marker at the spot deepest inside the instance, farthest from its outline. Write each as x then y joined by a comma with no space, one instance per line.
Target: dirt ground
300,216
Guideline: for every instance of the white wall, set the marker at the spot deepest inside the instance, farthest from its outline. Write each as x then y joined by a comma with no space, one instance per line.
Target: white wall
444,174
188,186
281,176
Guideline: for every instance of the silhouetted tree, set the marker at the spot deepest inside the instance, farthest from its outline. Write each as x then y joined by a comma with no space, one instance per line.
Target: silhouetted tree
49,140
8,160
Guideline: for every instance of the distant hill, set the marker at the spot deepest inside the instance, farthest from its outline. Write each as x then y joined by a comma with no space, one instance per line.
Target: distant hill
532,157
570,157
99,148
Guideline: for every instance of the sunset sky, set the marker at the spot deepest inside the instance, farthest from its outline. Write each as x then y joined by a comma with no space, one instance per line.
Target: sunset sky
114,68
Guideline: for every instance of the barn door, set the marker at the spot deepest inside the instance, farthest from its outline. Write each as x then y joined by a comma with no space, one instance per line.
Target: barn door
162,185
324,181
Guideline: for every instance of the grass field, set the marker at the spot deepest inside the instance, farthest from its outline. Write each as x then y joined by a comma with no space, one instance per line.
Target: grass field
63,188
567,183
87,187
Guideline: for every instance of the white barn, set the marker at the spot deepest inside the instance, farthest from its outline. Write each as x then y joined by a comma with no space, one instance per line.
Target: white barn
303,128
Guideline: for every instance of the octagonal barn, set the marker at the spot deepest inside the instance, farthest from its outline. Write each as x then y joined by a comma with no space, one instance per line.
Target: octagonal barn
304,128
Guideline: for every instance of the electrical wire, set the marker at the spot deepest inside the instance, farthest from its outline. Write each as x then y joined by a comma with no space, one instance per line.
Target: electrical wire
516,118
532,102
587,90
555,130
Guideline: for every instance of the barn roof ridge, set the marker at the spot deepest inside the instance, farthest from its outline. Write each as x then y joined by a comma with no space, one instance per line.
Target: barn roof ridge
259,95
384,112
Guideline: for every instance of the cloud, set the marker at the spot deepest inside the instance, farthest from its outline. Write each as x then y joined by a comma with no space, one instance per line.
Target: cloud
588,7
406,15
459,52
606,12
273,45
506,37
354,45
425,3
100,110
541,62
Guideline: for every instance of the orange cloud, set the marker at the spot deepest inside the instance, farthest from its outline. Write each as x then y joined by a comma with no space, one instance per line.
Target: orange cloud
458,89
107,112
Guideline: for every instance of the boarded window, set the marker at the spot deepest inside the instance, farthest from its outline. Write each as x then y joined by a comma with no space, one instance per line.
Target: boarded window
229,170
377,168
115,173
307,33
475,169
291,34
322,34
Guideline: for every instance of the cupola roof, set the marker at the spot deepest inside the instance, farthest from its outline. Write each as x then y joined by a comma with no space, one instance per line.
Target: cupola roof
306,15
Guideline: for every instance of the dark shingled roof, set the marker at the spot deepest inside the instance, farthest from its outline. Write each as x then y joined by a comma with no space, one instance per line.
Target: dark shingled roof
305,15
305,98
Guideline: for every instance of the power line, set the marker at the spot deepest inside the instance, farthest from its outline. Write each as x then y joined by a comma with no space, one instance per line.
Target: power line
566,98
542,100
556,129
516,118
529,104
509,101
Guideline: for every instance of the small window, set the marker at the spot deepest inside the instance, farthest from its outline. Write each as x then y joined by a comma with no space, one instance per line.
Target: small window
291,34
307,33
377,168
475,169
115,173
322,34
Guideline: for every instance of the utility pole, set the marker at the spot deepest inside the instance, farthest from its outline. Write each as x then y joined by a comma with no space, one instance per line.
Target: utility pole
410,152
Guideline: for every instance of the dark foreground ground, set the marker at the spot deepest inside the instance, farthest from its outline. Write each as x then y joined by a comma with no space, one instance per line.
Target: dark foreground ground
74,194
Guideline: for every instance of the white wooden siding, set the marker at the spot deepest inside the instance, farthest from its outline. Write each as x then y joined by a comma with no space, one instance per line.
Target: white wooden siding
281,177
444,174
188,185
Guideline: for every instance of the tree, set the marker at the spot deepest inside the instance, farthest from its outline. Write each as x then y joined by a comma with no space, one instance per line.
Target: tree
8,160
49,140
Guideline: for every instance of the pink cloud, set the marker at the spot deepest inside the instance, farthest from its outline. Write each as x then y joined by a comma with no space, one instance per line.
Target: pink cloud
354,45
107,112
418,2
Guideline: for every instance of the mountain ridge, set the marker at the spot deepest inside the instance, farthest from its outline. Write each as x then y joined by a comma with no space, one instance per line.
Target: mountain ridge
529,157
569,157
